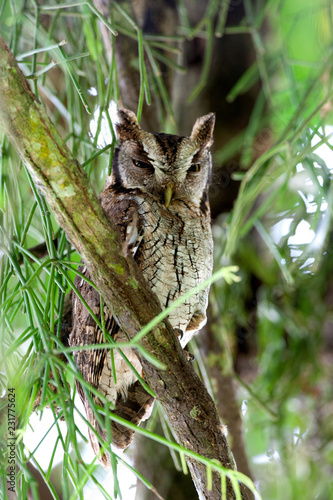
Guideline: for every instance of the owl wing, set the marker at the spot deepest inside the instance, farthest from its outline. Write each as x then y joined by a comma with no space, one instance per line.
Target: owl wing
86,332
91,363
122,209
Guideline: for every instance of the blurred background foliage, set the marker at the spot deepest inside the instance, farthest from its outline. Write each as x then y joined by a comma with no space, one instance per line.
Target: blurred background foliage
265,68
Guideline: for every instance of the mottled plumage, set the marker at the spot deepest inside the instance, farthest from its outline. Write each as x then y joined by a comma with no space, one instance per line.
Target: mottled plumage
157,195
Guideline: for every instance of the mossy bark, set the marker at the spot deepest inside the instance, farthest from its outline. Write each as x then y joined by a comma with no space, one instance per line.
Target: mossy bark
76,208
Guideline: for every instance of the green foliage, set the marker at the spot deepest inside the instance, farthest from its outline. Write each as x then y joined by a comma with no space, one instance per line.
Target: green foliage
280,236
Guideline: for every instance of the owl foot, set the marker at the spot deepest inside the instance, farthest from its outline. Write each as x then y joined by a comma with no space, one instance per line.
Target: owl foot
190,357
179,333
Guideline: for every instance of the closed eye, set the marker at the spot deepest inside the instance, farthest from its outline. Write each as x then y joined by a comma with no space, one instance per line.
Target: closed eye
195,167
142,164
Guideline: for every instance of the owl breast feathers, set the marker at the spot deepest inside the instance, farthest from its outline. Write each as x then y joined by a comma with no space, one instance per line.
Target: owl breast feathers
158,197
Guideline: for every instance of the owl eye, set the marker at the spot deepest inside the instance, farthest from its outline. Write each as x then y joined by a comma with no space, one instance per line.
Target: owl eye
142,164
195,167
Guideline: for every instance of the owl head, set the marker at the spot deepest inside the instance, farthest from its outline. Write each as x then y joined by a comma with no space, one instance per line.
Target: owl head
164,166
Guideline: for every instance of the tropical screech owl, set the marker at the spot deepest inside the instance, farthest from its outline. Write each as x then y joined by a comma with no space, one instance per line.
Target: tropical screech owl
157,195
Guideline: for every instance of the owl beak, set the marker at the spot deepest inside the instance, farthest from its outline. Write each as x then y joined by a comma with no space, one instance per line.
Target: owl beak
168,193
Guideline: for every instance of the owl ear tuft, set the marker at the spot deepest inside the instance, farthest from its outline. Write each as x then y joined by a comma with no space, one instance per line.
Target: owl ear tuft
203,129
127,126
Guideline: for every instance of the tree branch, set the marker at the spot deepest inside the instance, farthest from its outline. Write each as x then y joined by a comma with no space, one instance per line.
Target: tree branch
76,208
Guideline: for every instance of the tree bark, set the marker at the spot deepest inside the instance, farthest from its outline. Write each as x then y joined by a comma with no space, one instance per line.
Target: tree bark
76,208
226,401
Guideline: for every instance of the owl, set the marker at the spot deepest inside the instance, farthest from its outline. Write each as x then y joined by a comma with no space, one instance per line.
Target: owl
157,195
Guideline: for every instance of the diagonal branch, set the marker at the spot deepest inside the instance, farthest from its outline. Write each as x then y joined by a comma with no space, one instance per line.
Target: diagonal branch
76,208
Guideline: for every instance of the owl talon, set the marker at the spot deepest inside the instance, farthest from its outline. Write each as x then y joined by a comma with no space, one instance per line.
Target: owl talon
179,333
190,356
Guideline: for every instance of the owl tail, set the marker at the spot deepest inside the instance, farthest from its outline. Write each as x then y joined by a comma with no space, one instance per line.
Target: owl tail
94,440
135,407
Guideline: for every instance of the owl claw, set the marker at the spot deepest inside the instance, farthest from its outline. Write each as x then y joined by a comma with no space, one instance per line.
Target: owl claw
189,355
179,333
